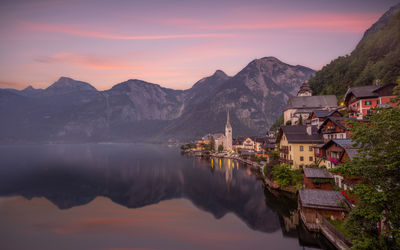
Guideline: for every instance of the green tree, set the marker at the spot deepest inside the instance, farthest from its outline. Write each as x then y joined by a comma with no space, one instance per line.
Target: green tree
378,164
220,148
288,123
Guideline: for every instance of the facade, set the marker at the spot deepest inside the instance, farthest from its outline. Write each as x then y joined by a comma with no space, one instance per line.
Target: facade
304,103
225,140
337,152
296,145
361,100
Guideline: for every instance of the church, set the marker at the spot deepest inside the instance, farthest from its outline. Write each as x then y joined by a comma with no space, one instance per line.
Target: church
305,103
225,140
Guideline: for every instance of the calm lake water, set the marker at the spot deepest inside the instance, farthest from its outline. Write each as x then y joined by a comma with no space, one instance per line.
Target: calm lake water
139,196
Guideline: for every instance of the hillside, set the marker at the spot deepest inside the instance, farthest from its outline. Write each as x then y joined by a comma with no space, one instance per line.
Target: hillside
377,56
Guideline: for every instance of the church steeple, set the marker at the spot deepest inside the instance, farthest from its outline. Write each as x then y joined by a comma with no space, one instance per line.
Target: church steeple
228,133
228,122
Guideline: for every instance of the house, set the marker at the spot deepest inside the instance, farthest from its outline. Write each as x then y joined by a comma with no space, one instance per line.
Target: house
337,151
296,144
360,100
327,203
304,103
318,178
337,128
318,116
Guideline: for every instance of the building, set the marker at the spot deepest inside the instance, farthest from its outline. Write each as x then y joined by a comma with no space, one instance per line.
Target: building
318,116
318,178
225,140
360,100
337,128
337,151
296,144
304,103
327,203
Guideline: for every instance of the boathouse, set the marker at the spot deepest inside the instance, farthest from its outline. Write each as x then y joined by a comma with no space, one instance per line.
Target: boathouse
326,203
318,178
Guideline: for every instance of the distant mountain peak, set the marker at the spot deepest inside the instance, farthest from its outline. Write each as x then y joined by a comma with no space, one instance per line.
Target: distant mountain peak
220,74
66,85
29,88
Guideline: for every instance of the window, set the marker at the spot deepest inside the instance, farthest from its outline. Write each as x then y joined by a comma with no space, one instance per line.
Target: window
311,158
301,158
301,148
367,102
310,148
290,147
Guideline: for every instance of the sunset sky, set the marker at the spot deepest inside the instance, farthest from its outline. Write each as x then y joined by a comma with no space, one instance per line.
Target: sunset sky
171,43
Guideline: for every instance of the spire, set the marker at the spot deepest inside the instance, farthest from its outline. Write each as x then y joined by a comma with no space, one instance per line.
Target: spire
228,122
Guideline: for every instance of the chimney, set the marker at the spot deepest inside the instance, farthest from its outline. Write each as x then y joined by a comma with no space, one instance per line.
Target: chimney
308,128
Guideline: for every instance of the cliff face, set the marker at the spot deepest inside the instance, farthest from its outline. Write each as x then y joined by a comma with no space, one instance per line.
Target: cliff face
135,110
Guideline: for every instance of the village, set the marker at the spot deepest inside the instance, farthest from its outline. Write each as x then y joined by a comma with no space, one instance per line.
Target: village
302,155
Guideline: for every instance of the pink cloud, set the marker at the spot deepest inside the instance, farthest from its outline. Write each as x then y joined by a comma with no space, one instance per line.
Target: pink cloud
328,22
87,33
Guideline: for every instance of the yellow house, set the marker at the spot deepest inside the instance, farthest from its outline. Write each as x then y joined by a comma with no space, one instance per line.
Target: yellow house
296,145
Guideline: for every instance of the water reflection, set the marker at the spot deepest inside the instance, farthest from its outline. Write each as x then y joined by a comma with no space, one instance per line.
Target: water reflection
137,175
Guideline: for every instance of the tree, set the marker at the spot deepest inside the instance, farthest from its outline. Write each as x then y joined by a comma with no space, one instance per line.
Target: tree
378,164
288,123
220,148
300,121
212,144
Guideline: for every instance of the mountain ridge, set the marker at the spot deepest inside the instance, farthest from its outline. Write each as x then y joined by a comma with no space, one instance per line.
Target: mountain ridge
135,110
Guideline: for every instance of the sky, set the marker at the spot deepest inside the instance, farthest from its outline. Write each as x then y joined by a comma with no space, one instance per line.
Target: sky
172,43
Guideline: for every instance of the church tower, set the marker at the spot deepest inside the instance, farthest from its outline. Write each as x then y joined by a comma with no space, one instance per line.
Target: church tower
305,90
228,134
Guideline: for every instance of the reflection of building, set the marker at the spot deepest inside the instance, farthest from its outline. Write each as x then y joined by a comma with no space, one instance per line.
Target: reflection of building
225,140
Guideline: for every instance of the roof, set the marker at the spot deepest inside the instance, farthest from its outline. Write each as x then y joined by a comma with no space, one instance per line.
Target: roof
311,101
341,122
322,113
344,143
298,134
317,173
360,92
351,152
315,198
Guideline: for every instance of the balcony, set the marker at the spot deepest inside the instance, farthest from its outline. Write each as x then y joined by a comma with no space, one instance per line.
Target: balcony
328,130
284,149
283,160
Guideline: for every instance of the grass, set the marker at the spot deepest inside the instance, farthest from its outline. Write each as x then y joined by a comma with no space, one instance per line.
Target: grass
339,226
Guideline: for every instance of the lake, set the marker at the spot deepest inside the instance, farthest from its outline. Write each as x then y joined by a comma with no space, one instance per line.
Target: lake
139,196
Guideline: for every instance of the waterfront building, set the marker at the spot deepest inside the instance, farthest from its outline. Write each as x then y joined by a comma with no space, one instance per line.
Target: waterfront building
305,103
362,99
318,178
296,144
326,203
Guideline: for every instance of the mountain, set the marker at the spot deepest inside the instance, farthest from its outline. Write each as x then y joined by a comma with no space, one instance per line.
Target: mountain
377,56
134,110
255,96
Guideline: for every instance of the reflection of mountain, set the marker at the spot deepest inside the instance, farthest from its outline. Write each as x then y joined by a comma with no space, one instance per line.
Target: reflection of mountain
133,176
